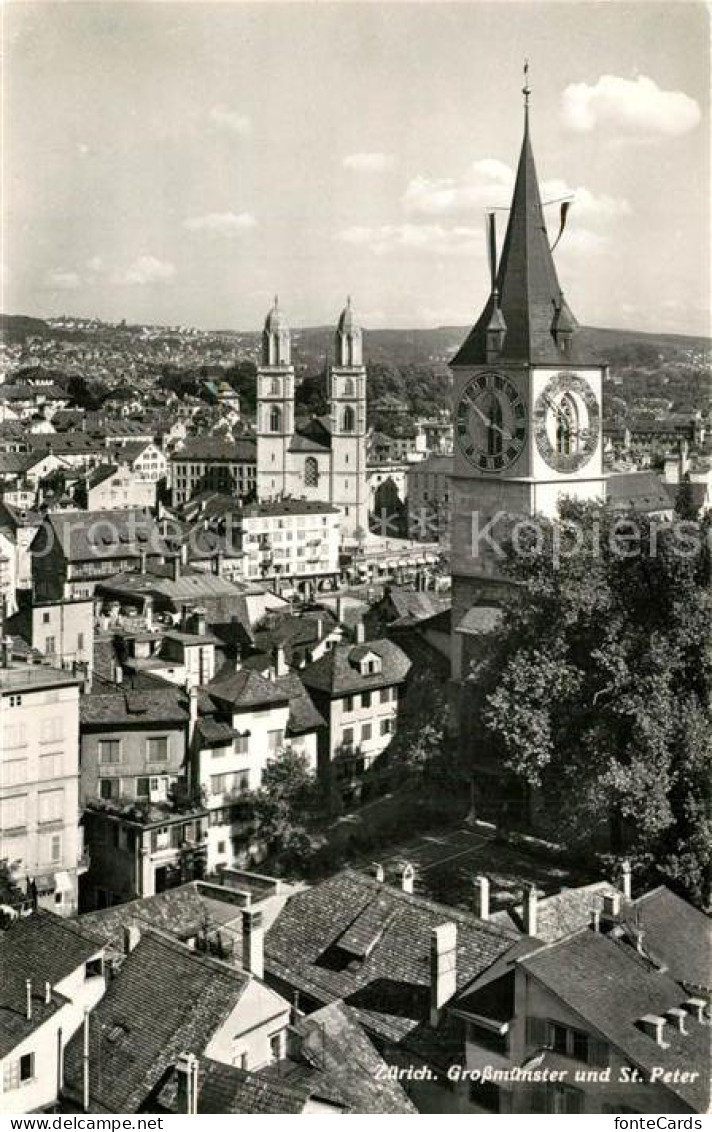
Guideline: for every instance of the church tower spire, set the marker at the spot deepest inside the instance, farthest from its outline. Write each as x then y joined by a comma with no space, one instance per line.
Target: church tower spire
529,296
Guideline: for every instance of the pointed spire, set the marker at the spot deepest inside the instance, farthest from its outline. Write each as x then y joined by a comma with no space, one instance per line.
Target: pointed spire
529,291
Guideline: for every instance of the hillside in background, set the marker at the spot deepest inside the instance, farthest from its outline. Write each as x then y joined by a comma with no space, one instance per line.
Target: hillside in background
651,374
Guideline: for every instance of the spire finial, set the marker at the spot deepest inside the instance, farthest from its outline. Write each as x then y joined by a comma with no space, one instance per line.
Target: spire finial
348,301
526,90
276,301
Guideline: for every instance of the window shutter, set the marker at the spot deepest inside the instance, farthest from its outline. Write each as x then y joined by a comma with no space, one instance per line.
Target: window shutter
537,1032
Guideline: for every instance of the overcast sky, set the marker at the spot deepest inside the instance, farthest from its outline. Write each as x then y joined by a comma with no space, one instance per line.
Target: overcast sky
182,162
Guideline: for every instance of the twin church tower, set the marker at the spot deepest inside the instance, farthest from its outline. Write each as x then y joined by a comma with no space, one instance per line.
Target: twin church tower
324,459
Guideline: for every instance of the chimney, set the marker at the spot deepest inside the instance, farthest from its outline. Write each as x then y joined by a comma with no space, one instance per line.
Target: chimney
85,1063
696,1008
530,909
360,632
676,1016
132,935
626,880
443,968
187,1065
654,1026
253,943
6,653
142,561
596,920
611,905
280,664
184,553
340,609
28,988
482,897
175,567
48,993
148,611
118,674
379,872
407,876
217,563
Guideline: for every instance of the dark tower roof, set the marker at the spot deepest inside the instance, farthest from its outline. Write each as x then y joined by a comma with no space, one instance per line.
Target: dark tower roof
529,293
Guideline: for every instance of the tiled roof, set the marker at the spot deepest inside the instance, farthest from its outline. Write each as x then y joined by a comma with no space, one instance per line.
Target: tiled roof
229,1089
128,706
88,535
182,912
287,507
44,948
214,731
679,934
480,619
286,629
303,716
336,673
102,473
243,689
560,914
412,606
608,984
209,449
338,1061
388,989
637,491
166,1000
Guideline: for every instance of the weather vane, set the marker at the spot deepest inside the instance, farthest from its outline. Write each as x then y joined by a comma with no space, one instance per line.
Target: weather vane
526,91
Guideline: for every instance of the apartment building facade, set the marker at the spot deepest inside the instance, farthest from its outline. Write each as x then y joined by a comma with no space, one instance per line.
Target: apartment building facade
39,797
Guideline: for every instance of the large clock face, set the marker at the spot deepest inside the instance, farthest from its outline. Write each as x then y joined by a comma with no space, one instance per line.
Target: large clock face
567,422
491,422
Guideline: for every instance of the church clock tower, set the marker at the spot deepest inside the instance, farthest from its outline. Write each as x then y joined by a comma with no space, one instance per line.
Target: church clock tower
527,405
347,395
275,407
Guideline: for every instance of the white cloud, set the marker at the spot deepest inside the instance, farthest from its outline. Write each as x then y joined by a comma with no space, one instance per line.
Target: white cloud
221,223
489,183
368,162
636,106
62,280
486,183
428,239
146,270
585,203
231,120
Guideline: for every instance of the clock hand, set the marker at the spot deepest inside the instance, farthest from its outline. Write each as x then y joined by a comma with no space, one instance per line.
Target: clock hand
491,424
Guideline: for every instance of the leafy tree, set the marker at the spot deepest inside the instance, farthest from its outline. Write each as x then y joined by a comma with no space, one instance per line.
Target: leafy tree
685,506
287,807
598,693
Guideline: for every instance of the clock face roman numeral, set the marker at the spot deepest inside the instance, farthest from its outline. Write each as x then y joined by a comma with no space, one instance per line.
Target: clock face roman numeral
491,422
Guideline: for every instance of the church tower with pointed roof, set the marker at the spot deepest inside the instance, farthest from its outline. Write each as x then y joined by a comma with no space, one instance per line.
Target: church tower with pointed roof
527,405
347,396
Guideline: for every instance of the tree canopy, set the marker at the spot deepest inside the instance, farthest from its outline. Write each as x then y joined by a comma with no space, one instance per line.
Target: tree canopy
598,692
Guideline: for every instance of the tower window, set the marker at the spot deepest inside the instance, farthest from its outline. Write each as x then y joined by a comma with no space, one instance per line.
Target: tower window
274,385
275,419
349,419
348,387
311,471
567,426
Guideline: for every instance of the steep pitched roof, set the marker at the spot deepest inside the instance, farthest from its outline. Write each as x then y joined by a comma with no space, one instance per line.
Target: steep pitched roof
338,1061
313,947
165,1000
243,689
529,291
229,1089
611,987
303,716
637,491
88,535
44,948
124,706
679,934
337,673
